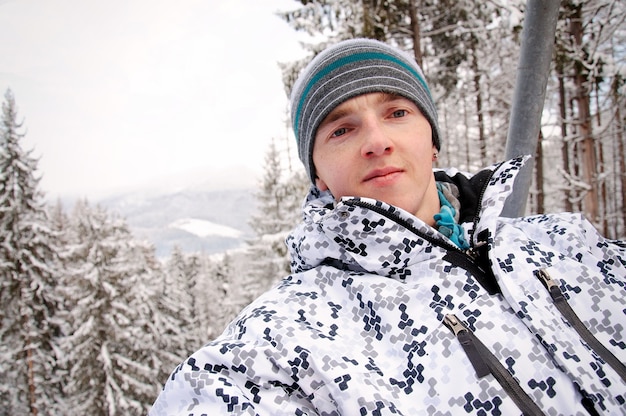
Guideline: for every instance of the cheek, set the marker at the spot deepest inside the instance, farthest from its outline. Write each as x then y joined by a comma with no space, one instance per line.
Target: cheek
331,174
326,176
327,161
323,170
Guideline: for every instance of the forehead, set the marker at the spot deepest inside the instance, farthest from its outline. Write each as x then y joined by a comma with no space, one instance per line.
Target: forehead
354,104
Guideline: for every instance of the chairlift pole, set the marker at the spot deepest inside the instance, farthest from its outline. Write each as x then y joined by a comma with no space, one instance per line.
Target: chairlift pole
530,91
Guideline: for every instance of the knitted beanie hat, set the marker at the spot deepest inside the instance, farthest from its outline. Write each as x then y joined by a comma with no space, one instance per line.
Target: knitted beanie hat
346,70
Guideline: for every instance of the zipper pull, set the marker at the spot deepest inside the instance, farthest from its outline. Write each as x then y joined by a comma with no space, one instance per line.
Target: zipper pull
485,363
454,324
553,288
477,243
466,339
471,253
579,326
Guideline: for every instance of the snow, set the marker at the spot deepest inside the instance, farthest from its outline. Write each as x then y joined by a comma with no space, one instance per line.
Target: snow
204,228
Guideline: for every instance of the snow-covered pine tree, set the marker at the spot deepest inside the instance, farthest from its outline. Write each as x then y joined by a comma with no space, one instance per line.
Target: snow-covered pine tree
279,200
28,295
272,215
59,221
177,320
223,295
202,267
193,272
110,290
296,186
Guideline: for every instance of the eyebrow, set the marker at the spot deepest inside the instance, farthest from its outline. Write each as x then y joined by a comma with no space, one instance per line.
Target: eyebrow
338,113
334,115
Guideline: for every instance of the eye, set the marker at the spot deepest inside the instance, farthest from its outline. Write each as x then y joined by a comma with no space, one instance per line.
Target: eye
398,113
339,132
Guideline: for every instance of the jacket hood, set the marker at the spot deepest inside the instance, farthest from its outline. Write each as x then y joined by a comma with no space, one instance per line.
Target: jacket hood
355,232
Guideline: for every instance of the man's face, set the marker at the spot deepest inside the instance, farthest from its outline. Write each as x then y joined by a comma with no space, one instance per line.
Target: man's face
378,146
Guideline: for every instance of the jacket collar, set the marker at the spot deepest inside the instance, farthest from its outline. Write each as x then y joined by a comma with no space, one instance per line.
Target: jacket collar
370,235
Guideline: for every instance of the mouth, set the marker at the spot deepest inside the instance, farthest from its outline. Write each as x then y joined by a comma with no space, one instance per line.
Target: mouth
382,174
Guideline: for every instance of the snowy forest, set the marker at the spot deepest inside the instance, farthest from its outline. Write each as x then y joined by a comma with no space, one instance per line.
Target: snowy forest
93,323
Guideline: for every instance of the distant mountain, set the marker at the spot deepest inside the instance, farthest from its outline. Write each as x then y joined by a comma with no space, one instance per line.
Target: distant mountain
196,220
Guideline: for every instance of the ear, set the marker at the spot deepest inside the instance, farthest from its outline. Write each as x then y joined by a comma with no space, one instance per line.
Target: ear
321,185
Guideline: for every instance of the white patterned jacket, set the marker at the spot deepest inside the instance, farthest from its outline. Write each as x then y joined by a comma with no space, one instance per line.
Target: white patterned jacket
382,315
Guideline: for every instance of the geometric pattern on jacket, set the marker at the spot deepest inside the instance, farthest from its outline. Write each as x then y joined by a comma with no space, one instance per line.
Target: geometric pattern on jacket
358,327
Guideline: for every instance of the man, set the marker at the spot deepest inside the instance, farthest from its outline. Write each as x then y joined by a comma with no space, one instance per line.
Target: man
409,294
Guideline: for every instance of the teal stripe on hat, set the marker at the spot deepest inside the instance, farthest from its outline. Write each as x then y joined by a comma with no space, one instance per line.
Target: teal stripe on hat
346,60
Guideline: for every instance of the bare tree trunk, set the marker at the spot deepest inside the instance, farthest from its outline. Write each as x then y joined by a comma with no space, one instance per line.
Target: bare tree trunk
620,151
479,111
368,30
467,136
575,162
540,206
415,28
565,142
603,210
31,378
445,157
589,157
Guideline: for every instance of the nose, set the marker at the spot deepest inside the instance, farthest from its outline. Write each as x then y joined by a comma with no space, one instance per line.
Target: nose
376,141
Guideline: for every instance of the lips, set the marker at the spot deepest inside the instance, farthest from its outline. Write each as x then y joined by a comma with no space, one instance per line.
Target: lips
384,173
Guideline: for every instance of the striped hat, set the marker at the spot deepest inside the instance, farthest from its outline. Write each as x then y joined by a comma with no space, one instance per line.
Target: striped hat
346,70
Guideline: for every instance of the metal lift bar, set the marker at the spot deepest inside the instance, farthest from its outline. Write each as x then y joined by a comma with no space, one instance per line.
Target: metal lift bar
530,91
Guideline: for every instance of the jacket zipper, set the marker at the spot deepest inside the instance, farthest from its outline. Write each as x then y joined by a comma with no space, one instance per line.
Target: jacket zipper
484,363
480,200
469,253
431,239
463,258
570,316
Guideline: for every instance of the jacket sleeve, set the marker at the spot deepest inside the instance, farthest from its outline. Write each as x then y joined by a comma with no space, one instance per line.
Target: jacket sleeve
229,378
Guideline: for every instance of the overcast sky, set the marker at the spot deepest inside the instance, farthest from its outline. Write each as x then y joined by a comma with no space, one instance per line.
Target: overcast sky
118,94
